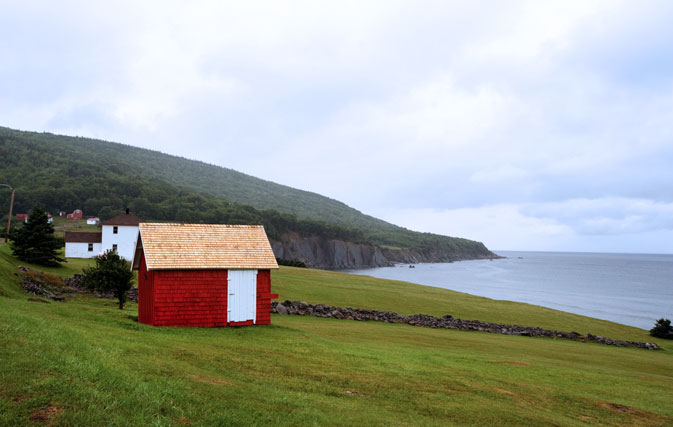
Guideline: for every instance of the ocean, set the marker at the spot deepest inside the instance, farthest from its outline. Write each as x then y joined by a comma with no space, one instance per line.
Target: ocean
633,289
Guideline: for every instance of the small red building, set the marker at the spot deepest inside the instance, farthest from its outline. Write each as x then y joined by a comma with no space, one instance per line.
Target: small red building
203,275
76,214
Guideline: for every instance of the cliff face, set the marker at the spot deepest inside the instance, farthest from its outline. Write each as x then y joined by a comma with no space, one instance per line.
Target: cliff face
318,252
412,257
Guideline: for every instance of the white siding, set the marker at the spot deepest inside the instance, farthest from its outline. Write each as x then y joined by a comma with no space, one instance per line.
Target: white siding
81,250
242,295
125,239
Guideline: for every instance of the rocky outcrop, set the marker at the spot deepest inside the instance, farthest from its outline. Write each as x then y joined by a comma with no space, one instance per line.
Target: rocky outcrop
318,252
406,256
445,322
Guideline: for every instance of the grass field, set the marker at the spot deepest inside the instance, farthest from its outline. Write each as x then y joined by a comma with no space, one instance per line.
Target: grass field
86,362
62,224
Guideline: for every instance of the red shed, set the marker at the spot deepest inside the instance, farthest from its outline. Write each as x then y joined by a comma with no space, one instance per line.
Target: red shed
204,275
76,214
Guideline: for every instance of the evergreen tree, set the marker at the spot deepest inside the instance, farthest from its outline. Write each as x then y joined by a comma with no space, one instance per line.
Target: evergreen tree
112,273
662,329
35,241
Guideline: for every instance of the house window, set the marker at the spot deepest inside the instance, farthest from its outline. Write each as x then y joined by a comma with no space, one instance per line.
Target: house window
90,247
115,229
114,248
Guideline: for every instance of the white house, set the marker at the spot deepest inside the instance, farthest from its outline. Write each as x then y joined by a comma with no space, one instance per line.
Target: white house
93,221
82,245
119,233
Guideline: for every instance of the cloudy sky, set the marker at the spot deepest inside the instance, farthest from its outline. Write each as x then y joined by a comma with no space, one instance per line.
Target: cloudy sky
526,125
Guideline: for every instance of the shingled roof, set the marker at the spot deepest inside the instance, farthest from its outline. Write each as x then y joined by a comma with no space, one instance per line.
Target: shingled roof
204,246
123,219
83,237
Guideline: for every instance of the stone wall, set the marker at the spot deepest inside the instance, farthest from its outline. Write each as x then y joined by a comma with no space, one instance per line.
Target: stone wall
444,322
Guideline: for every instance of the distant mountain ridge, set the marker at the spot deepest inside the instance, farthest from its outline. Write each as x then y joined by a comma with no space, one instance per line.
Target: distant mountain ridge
64,172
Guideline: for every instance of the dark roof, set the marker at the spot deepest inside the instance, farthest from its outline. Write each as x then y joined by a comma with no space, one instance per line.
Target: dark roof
83,237
123,219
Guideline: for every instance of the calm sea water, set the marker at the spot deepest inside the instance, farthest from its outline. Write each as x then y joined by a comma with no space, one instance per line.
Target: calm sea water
632,289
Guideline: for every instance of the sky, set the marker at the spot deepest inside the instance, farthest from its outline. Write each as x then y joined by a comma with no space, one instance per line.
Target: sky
526,125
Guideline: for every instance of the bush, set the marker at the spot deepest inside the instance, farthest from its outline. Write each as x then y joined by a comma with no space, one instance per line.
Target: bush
662,329
112,273
291,262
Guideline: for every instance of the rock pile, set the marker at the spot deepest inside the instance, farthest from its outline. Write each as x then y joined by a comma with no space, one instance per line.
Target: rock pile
620,343
76,284
36,283
301,308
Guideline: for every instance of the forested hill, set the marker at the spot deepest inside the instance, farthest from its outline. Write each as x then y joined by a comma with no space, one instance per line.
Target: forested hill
102,178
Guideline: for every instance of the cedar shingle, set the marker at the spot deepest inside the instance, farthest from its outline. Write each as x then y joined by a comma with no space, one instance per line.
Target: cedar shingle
205,246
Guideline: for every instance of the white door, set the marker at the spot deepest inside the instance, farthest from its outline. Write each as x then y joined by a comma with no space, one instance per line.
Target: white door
242,298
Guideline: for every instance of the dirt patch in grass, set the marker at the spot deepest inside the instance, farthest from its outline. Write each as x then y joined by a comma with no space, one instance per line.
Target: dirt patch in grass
21,397
45,416
637,416
503,391
512,362
618,408
213,380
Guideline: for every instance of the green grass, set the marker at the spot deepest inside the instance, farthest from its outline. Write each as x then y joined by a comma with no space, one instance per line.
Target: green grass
85,362
62,224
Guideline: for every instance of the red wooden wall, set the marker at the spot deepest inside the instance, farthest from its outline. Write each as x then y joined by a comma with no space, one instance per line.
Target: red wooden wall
145,293
264,297
193,297
190,298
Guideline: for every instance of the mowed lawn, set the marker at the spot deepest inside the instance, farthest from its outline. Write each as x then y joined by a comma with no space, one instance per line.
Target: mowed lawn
85,362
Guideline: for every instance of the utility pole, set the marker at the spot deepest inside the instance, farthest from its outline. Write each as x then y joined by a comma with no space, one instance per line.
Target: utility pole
11,204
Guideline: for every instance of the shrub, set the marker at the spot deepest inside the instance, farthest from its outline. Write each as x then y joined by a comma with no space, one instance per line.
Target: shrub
112,273
291,262
662,329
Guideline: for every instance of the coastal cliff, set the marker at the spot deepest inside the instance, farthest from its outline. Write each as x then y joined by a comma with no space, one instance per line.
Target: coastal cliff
318,252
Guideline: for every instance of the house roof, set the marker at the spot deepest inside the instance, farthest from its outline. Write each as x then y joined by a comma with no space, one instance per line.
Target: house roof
204,246
123,219
83,237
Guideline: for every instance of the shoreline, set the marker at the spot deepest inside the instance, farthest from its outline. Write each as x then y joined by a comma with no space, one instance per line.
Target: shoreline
625,289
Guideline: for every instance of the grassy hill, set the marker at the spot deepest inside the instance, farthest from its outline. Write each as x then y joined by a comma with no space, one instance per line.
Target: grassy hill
103,178
84,362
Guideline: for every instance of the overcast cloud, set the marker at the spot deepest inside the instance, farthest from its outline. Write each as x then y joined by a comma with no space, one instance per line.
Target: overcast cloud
526,125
